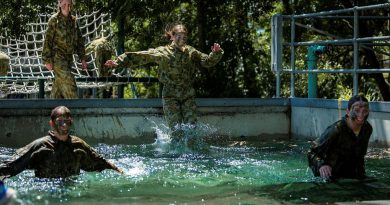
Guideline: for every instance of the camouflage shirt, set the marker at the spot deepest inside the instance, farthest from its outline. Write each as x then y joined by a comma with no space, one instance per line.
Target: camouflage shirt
103,50
341,149
4,63
63,39
176,68
52,158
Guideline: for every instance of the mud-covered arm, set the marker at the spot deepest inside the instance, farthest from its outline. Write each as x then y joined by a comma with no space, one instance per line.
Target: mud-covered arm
20,161
318,154
92,161
48,44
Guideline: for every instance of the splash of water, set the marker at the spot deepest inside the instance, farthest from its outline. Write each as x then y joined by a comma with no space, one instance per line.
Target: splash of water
192,137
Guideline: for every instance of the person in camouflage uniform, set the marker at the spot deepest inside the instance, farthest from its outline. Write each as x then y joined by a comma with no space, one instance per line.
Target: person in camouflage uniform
340,151
103,51
58,154
4,63
4,67
63,39
178,63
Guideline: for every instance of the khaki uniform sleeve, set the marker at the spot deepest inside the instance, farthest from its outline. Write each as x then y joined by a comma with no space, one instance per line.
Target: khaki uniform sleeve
48,44
80,46
210,60
134,59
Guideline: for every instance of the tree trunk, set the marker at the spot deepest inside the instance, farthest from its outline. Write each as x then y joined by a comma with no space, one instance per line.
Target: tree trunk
246,51
121,35
372,61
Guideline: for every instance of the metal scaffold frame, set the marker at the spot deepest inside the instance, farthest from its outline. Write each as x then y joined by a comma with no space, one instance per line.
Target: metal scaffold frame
278,44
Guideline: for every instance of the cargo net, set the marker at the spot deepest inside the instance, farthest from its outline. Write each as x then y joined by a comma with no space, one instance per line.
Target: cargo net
26,66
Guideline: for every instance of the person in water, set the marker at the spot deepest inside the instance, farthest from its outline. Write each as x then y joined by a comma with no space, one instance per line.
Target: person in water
178,63
58,154
340,151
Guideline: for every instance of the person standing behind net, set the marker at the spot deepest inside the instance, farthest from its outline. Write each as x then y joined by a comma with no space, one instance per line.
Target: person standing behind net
178,63
102,51
4,64
63,39
4,67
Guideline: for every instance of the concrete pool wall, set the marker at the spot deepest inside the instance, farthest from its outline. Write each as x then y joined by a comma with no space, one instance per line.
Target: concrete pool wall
310,117
133,120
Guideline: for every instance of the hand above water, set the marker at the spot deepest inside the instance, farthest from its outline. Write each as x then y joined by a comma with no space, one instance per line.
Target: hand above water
325,171
120,171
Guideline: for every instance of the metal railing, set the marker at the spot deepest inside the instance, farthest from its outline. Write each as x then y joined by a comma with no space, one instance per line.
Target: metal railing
120,81
277,44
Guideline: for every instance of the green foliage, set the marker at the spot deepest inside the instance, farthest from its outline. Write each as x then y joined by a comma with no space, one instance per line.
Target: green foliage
337,57
16,13
144,90
241,27
243,71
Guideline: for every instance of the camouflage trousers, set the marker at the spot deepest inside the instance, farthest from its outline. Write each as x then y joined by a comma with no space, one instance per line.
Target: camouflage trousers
105,92
64,84
178,112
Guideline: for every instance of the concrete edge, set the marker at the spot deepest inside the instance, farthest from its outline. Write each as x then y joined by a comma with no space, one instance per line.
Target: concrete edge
375,106
141,103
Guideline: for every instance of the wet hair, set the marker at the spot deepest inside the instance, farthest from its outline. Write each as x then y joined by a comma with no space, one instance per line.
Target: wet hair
60,111
170,29
356,98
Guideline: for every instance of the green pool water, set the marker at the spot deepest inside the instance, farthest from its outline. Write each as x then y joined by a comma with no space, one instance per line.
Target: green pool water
233,172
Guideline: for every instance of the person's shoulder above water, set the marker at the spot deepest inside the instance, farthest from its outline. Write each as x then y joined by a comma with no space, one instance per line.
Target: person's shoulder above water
76,140
332,132
36,143
341,123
